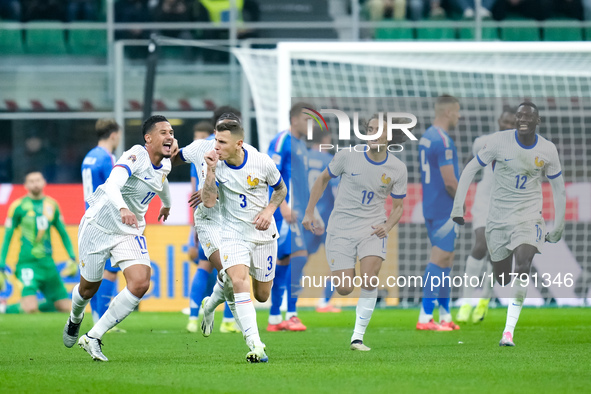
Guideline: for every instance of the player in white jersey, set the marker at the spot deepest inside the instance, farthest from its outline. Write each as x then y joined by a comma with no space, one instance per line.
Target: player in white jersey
358,227
113,227
249,235
515,226
477,258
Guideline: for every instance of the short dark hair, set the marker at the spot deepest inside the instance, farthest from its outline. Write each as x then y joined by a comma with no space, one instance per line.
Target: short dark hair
228,116
297,109
530,104
32,171
204,126
151,121
219,111
446,99
398,136
509,109
105,127
234,127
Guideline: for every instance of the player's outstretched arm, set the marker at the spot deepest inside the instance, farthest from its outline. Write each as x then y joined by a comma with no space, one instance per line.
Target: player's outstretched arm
209,192
559,195
382,230
166,201
263,219
457,213
316,193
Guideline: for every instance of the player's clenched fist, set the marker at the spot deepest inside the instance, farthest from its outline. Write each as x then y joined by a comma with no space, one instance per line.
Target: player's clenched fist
310,223
211,159
262,221
128,217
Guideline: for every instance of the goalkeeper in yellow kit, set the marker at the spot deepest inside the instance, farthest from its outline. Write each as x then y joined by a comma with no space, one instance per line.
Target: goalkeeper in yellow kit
35,213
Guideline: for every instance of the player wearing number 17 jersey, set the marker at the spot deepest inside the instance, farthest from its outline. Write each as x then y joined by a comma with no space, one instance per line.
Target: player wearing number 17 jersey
113,227
515,226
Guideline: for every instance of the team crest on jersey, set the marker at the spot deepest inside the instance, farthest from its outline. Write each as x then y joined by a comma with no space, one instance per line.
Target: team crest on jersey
385,180
225,258
539,163
209,244
133,158
163,177
252,182
82,263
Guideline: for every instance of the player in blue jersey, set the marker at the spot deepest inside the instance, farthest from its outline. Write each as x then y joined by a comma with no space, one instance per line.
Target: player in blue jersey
318,162
289,152
204,278
96,168
439,177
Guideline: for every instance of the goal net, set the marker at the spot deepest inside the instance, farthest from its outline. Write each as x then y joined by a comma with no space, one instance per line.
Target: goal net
485,76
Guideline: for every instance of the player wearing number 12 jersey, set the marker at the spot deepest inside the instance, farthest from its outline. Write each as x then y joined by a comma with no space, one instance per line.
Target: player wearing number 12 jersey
515,226
113,227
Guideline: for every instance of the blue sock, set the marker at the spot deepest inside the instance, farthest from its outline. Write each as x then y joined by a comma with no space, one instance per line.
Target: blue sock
293,292
430,295
103,297
278,289
445,290
197,291
227,312
328,290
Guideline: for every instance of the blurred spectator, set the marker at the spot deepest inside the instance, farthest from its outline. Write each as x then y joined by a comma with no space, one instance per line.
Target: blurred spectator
10,9
174,11
43,10
202,130
86,10
467,8
536,9
572,9
417,9
132,11
386,9
587,9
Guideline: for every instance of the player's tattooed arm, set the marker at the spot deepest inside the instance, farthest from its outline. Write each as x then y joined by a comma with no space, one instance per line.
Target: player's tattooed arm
278,196
209,192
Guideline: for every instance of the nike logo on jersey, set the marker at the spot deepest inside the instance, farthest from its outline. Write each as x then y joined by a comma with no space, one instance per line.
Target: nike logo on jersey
508,159
220,182
352,174
146,178
144,252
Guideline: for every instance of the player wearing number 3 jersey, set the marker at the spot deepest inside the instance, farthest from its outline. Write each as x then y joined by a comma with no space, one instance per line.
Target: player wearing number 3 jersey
113,227
515,226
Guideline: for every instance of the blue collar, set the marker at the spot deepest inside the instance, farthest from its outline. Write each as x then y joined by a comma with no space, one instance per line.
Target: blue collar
153,166
375,162
525,146
241,165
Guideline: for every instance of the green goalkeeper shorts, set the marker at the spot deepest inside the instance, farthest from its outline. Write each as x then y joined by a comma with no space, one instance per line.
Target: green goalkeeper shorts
41,275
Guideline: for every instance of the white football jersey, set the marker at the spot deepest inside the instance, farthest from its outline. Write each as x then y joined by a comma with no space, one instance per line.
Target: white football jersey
243,194
362,191
144,182
194,153
518,170
484,187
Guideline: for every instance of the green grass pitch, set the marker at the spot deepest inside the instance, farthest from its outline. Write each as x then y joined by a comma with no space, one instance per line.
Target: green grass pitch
553,354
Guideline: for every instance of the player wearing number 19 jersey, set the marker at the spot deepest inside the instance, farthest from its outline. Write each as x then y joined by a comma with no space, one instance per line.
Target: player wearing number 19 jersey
96,168
113,227
515,226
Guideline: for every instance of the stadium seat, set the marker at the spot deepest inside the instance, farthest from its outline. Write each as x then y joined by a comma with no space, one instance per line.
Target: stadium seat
436,33
11,42
563,33
394,33
88,42
520,33
46,41
488,34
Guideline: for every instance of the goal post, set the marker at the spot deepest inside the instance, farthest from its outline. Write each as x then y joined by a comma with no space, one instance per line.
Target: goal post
484,76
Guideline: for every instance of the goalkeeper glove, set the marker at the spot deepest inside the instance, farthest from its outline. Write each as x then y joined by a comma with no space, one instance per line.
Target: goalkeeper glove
71,268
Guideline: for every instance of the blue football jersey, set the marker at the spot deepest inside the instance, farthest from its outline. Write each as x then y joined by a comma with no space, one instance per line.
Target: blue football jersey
96,168
436,149
291,157
317,162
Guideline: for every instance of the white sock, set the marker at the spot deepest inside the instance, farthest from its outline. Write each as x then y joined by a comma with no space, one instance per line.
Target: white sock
444,316
289,315
232,306
216,298
121,306
488,287
515,305
78,305
322,303
423,317
275,319
365,306
473,268
247,315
